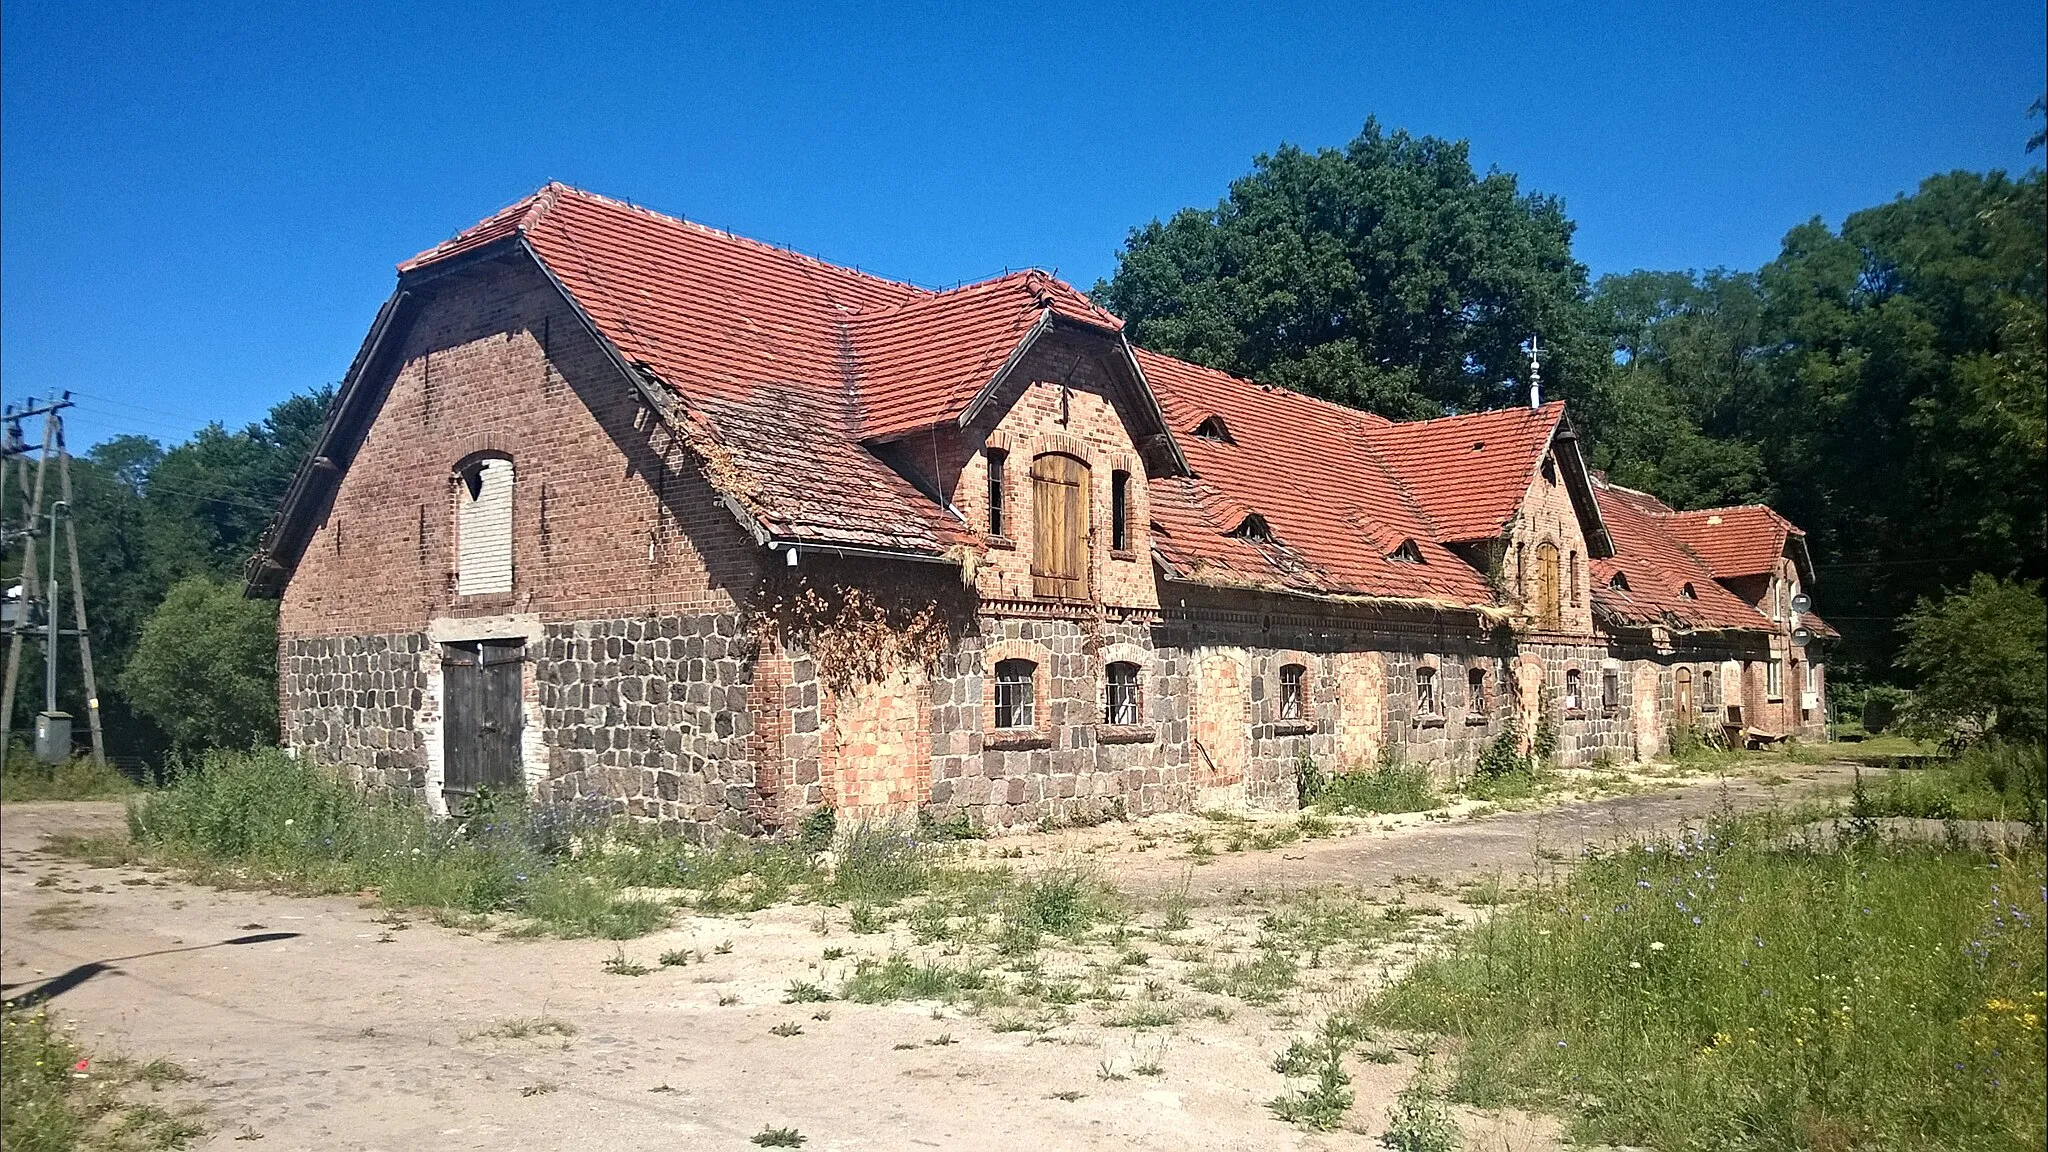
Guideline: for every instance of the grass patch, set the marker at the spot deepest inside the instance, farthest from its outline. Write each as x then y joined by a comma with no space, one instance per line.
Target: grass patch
53,1097
1740,987
1991,781
75,779
1388,788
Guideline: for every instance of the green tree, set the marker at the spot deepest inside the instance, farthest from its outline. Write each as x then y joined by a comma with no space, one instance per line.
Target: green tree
205,667
1388,276
1981,656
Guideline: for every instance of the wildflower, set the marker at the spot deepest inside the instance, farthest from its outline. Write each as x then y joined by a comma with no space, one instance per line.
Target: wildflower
288,823
1635,963
81,1066
1656,945
1560,1043
1695,920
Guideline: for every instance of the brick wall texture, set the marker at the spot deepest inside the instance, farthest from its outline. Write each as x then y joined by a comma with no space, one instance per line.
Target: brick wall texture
654,684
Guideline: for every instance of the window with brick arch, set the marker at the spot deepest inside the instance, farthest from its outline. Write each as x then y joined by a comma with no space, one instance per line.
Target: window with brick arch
1425,691
1059,534
1475,689
1016,703
996,459
1708,701
483,526
1121,702
1293,692
1120,510
1573,699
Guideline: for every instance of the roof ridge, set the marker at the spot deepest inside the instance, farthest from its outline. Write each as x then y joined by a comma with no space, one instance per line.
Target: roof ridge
728,234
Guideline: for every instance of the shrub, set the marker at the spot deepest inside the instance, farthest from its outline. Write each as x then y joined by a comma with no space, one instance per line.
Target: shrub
1882,705
1981,655
205,666
1390,787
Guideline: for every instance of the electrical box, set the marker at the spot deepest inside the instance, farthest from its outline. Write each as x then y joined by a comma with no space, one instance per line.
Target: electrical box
53,737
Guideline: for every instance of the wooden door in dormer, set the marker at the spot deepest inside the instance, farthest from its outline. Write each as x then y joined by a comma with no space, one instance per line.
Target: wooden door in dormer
1059,533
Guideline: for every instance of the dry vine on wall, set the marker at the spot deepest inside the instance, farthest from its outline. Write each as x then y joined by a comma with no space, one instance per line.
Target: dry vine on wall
853,632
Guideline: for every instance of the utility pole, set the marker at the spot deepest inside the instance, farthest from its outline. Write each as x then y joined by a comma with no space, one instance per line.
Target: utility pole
53,728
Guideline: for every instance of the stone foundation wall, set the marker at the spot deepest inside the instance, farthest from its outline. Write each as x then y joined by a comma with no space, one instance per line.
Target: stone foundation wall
355,703
653,714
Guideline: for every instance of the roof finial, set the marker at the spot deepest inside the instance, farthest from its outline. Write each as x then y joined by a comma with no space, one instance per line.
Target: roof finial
1535,374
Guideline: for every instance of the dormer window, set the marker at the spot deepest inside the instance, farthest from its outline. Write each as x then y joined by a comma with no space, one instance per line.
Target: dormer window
1687,591
1550,471
1618,582
1213,428
1408,553
1254,528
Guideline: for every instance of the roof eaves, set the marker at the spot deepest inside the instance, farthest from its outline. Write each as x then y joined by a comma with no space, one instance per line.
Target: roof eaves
987,391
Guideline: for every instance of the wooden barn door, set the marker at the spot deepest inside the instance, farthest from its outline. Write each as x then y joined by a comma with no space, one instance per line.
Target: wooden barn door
1059,534
484,722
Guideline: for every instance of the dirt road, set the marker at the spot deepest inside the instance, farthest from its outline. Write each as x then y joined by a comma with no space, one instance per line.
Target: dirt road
331,1029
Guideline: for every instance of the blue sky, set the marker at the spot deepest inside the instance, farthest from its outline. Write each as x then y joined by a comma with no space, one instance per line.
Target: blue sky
199,214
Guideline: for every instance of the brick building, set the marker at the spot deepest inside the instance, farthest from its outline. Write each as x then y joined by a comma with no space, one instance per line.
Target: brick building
613,504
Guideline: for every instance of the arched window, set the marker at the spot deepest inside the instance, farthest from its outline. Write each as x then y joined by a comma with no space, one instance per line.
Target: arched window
1059,535
1475,689
1550,470
1425,692
1707,698
1547,584
1573,700
1293,693
1016,706
1121,703
1681,682
483,526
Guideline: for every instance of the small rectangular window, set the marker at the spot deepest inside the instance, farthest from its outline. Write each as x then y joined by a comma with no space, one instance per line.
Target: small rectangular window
1015,705
1425,691
1291,692
1475,690
1120,694
1573,700
1774,680
1610,692
1708,701
1120,510
996,459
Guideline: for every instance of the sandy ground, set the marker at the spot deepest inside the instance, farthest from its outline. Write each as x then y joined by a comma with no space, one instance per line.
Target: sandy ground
336,1029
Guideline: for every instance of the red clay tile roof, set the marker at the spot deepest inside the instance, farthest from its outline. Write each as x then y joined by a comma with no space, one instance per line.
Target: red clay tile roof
1309,469
1657,569
1469,473
787,365
1745,540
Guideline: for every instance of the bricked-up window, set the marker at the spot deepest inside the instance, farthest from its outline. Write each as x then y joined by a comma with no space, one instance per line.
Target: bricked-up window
1774,680
1059,534
1120,700
1708,701
1610,691
1546,584
1120,510
1291,691
996,459
1016,706
1575,579
483,527
1475,689
1425,691
1573,700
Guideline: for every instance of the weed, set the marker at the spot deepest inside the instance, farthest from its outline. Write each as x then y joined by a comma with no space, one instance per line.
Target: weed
75,779
1143,1016
780,1137
804,992
675,958
1418,1121
540,1089
835,953
727,1000
1107,1071
864,920
941,1040
618,965
1390,787
530,1027
1069,1096
817,830
787,1028
722,948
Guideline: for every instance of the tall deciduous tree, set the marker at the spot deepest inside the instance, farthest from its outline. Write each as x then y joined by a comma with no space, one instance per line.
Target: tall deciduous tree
1388,275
